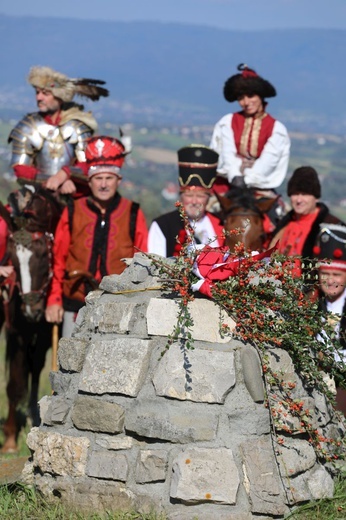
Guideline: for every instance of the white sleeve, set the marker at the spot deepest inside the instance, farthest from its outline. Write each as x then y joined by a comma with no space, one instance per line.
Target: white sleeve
269,170
223,143
156,240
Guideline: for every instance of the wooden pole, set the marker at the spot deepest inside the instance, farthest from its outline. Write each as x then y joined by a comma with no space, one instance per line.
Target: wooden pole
55,341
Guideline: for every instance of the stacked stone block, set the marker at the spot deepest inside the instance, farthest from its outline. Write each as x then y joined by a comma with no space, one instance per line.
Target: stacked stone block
132,425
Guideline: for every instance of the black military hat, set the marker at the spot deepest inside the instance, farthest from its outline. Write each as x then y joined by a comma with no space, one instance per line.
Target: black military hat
330,247
197,166
247,83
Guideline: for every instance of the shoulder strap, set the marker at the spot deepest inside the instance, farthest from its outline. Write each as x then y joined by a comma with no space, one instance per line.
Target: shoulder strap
133,218
70,210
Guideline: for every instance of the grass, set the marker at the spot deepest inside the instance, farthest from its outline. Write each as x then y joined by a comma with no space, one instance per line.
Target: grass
326,509
45,389
22,503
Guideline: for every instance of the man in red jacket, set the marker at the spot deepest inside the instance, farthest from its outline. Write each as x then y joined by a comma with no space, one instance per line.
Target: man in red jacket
94,234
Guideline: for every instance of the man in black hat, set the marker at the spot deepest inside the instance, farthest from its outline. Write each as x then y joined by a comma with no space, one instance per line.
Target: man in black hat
297,232
330,249
197,173
250,143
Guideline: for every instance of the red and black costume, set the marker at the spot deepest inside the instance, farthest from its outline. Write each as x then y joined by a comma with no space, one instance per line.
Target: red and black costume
87,240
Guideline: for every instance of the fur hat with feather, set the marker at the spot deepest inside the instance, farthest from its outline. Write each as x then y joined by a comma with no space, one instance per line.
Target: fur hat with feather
66,88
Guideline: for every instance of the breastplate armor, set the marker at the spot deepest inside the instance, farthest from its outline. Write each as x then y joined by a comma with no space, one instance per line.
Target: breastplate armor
48,147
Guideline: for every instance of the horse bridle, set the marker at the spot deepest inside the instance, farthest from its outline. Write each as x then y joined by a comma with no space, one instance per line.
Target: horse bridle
25,238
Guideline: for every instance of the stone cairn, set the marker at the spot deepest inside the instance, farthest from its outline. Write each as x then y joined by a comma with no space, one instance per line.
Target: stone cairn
186,433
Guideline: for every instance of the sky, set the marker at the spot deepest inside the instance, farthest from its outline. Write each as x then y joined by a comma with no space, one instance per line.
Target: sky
226,14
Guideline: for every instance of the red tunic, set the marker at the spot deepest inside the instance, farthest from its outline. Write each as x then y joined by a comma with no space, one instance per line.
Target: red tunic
251,133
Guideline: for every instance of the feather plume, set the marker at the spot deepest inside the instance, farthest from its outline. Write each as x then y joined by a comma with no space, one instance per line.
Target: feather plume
89,88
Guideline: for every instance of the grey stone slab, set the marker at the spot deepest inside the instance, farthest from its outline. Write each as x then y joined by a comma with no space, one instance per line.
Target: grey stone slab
60,382
252,371
262,479
111,442
89,495
294,456
116,366
205,475
114,317
163,423
207,317
314,484
140,273
59,409
43,406
151,466
71,354
106,465
249,421
89,413
200,375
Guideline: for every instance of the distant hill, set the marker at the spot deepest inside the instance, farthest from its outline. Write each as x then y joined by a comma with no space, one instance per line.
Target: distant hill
174,73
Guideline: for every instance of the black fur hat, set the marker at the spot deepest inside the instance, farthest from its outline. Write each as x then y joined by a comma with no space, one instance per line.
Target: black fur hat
304,180
247,83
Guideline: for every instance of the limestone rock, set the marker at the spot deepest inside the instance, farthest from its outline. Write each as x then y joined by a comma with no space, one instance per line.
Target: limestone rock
262,477
106,465
205,475
71,354
200,375
93,414
58,454
295,456
115,366
169,424
162,316
151,466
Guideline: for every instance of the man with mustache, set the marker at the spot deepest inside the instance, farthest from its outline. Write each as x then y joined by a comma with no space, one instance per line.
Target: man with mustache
94,234
197,173
48,145
330,250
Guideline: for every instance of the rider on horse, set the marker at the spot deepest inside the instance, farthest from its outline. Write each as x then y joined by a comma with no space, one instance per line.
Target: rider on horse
49,144
251,143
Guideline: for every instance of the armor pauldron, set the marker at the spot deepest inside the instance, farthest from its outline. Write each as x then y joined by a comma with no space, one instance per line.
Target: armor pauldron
48,147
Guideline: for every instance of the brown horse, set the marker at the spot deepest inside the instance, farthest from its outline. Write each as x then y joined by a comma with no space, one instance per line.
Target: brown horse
31,222
241,210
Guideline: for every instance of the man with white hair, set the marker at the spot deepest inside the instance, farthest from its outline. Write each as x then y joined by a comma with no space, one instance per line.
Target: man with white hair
94,233
48,145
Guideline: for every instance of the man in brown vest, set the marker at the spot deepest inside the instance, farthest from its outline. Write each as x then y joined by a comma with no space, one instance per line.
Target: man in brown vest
94,234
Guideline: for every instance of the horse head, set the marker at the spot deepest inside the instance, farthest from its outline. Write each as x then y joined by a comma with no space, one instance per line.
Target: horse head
241,211
33,218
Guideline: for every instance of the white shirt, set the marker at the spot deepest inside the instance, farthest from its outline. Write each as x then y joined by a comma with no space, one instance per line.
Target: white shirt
336,308
268,171
203,230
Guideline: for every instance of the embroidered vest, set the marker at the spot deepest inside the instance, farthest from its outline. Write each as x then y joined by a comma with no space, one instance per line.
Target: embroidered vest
251,133
98,242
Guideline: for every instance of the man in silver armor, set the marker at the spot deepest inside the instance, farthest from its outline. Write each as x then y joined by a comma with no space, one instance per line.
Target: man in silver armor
48,145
